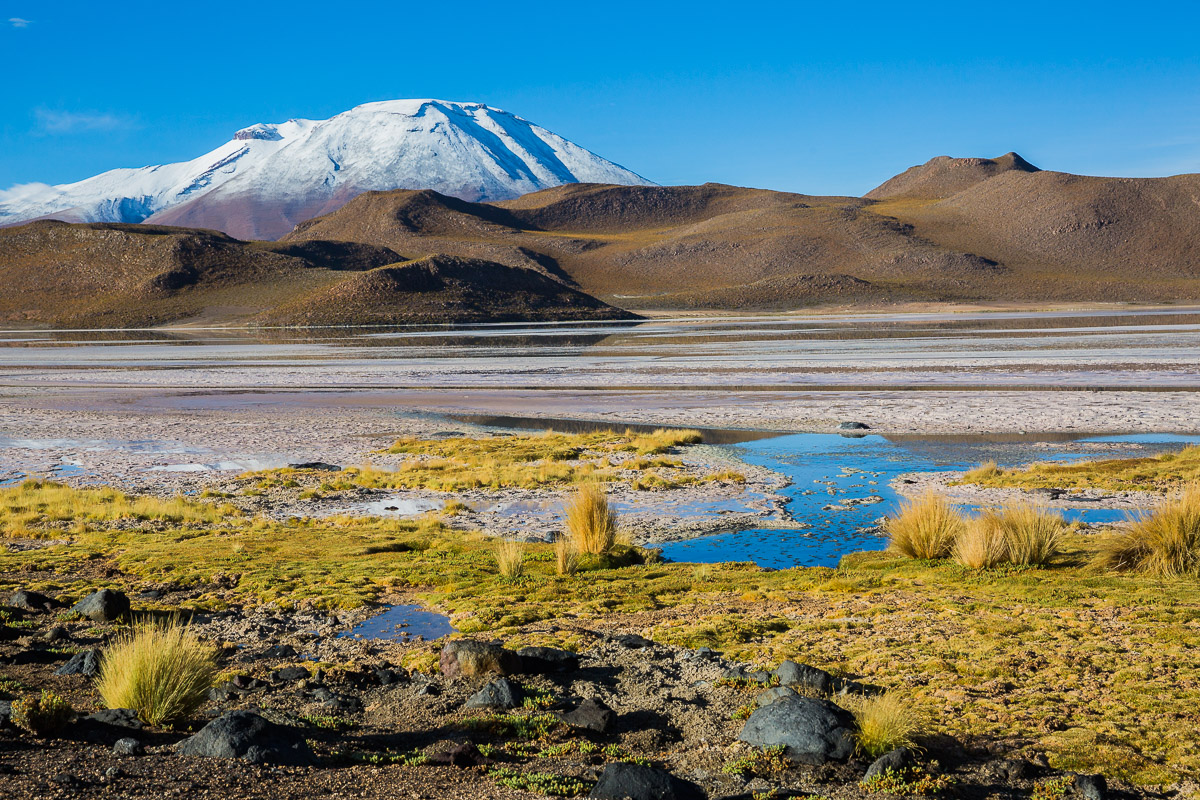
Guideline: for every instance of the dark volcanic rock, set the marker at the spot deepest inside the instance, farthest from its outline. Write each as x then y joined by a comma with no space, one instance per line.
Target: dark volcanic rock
128,747
290,674
279,651
469,659
542,660
854,426
246,735
589,715
85,662
32,601
1091,787
462,755
319,466
792,674
500,693
117,717
896,760
774,695
813,731
105,605
619,781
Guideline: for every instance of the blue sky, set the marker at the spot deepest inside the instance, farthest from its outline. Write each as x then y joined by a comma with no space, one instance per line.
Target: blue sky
798,96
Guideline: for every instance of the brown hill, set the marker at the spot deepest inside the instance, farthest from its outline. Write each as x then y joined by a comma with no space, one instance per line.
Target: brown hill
117,275
943,176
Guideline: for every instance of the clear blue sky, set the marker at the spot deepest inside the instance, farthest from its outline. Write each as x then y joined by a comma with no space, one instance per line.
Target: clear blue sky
798,96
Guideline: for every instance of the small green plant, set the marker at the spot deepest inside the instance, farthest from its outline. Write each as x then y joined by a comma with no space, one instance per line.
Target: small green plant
516,726
907,781
329,723
748,684
42,715
884,722
510,559
407,758
742,713
540,782
537,699
760,763
1053,788
161,671
925,528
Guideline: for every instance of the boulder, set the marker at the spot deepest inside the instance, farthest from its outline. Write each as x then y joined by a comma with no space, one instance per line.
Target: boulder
500,693
773,695
589,715
117,717
465,754
246,735
105,605
814,731
470,659
1090,787
319,466
279,651
854,426
790,673
290,674
619,781
544,660
85,662
896,760
128,746
32,601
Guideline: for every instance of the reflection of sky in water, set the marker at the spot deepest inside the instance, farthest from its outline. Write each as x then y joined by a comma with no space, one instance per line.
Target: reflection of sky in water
396,621
812,458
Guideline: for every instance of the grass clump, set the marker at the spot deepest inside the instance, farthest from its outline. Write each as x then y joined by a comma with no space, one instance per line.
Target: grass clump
1153,473
1164,543
982,544
1033,535
42,715
925,528
591,521
884,722
161,671
985,471
566,556
510,559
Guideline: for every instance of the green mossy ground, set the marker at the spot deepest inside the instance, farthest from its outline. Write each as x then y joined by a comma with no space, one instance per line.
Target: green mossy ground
1102,671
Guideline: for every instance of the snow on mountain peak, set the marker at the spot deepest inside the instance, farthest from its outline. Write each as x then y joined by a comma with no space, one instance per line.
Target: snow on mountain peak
270,177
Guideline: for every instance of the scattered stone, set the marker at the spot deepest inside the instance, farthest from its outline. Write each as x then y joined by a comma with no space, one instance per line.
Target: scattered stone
250,737
117,717
128,746
105,605
85,662
462,755
896,760
1091,787
468,658
542,660
773,695
5,712
619,781
590,715
386,677
319,466
632,641
56,634
790,673
66,779
500,693
291,674
279,651
814,731
32,601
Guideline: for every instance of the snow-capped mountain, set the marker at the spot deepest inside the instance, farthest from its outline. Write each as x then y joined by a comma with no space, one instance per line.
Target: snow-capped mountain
270,177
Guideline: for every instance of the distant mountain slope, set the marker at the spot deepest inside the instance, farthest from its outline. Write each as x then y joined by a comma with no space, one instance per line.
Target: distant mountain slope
123,275
271,177
943,176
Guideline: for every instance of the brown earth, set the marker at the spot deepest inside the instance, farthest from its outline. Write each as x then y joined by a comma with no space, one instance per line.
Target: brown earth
116,275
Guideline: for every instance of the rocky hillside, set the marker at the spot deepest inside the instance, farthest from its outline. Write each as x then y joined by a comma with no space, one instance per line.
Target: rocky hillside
112,274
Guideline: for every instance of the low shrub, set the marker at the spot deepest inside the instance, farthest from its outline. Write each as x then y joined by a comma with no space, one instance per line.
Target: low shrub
161,671
42,715
1165,542
926,527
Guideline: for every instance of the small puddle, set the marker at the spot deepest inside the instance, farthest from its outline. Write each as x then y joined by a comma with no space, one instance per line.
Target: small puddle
402,623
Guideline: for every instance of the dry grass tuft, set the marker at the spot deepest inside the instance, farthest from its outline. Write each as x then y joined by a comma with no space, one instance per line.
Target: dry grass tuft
1033,535
1165,543
566,556
510,558
885,722
982,544
161,671
925,528
985,471
591,522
